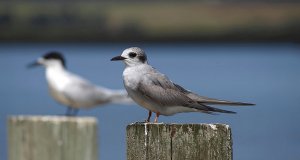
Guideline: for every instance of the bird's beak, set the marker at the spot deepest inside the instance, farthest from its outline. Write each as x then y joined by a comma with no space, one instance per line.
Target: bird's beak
118,58
33,64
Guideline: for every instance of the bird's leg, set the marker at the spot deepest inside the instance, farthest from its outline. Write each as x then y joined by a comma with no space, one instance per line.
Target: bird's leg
69,111
149,116
75,111
156,117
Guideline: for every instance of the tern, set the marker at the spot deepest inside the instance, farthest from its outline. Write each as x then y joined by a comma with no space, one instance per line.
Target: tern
154,91
74,91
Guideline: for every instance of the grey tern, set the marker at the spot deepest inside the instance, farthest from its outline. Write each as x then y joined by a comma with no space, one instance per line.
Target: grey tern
154,91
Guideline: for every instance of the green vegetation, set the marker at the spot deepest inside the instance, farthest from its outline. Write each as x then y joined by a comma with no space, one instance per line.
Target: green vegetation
145,21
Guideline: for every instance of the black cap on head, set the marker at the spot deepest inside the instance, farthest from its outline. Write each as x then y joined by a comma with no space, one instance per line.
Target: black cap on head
57,56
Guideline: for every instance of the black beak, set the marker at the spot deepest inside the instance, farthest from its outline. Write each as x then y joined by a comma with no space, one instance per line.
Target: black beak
33,64
118,58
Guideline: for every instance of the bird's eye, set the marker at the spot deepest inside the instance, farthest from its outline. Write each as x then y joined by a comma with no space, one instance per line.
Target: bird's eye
132,54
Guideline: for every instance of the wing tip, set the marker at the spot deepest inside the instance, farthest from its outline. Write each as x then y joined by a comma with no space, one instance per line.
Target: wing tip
211,110
224,111
246,104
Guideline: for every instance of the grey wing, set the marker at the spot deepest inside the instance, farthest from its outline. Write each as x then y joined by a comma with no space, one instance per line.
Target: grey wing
84,94
157,88
210,101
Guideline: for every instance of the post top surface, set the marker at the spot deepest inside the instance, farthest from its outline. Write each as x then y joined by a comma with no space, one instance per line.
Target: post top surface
52,118
211,125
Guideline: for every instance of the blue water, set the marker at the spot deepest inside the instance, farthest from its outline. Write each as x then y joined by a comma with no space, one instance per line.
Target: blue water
265,74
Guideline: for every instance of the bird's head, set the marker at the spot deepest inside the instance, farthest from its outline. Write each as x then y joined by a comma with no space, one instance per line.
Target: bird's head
50,59
132,56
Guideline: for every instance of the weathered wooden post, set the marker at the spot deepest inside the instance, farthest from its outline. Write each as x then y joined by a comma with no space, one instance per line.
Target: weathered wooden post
148,141
52,138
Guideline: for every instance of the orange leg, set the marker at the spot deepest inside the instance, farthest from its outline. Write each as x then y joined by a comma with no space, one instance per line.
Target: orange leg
149,116
156,117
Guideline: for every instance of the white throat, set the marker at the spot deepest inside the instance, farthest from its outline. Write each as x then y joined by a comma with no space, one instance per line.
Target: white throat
57,77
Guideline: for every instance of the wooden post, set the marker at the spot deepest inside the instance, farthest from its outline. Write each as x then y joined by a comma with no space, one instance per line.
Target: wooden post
52,138
179,142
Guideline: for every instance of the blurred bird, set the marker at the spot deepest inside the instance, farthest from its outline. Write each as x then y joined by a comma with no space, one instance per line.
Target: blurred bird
73,91
155,92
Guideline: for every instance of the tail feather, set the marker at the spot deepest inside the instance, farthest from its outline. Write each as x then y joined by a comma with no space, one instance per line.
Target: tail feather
211,110
106,95
213,101
120,97
227,103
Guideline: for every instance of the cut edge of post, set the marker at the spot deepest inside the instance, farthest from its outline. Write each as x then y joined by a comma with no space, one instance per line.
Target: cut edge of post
45,118
212,125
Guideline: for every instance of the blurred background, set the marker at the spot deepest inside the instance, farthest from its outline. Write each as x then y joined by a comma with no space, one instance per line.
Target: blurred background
237,50
132,20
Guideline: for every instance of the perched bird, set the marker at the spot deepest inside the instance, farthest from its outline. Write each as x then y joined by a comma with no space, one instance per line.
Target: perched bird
155,92
73,91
